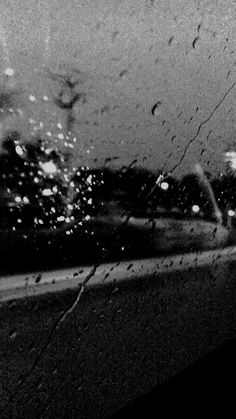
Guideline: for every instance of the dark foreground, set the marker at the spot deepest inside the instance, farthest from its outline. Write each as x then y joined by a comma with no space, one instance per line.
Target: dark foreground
207,389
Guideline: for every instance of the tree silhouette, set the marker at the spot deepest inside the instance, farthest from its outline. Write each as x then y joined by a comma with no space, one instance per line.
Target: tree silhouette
68,94
32,181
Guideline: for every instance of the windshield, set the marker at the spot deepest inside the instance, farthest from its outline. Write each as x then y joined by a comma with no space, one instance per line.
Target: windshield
117,200
116,135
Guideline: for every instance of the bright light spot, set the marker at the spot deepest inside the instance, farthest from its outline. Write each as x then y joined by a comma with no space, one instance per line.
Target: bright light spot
26,200
45,98
48,167
61,218
53,210
41,124
89,179
55,189
87,217
164,186
60,136
36,180
72,184
31,121
18,199
9,71
230,157
231,213
48,150
19,150
70,207
90,201
195,208
47,192
67,220
49,134
59,125
19,220
40,221
32,98
74,139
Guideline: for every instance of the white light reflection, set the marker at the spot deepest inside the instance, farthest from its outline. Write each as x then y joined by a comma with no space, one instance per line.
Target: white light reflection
19,150
195,208
164,186
9,71
230,157
47,192
48,167
231,213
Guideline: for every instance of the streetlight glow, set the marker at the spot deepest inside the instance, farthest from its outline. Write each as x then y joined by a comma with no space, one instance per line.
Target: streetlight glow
195,208
164,186
231,213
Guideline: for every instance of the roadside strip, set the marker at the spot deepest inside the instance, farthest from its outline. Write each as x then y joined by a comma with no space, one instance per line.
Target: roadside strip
27,285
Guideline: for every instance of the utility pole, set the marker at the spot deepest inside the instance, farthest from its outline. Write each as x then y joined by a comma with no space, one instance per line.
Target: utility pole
205,182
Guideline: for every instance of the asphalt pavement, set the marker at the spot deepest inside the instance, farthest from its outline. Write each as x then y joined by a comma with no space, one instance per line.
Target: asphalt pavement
206,389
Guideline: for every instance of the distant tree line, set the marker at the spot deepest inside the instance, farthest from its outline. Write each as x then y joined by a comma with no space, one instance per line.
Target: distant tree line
39,190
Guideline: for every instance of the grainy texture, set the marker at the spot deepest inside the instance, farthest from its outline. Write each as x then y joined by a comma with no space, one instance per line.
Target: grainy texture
119,342
132,55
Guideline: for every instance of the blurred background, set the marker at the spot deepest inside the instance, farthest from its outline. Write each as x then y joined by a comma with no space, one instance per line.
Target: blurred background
156,77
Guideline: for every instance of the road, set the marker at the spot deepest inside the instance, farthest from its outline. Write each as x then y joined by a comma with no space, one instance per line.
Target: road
136,324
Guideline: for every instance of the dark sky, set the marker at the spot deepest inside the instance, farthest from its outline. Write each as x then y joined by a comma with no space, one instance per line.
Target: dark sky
132,55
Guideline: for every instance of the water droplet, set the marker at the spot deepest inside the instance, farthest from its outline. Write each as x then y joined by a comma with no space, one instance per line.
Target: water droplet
32,98
12,334
9,71
156,109
38,278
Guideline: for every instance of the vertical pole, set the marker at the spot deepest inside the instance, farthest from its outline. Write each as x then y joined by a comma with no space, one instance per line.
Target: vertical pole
205,182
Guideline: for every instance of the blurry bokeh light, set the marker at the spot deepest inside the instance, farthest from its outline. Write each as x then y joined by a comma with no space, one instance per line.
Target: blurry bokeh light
48,167
195,208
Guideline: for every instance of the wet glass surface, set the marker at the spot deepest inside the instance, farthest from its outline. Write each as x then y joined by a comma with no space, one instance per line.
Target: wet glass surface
117,126
61,212
101,155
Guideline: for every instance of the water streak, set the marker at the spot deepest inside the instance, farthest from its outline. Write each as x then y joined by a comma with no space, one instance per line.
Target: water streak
47,24
5,49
